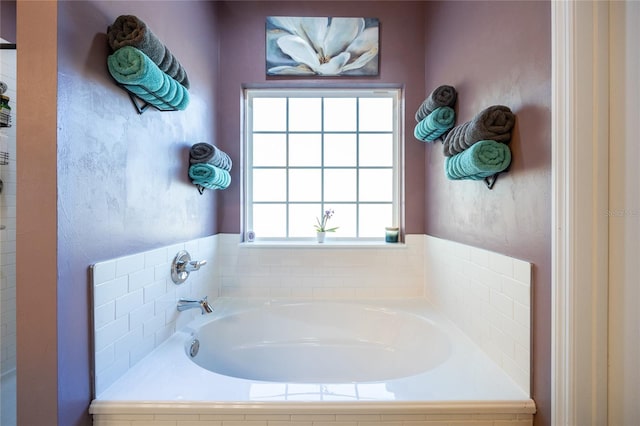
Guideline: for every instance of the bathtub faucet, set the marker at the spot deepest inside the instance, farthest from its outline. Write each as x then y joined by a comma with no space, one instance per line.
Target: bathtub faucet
182,265
203,304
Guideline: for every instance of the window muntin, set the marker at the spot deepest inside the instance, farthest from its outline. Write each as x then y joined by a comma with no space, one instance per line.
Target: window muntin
309,150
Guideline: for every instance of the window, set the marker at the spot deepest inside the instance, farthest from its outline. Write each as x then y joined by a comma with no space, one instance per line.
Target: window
310,150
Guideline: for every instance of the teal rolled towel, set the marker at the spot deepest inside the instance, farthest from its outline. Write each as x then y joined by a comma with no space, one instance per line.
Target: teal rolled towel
209,176
142,77
483,159
435,124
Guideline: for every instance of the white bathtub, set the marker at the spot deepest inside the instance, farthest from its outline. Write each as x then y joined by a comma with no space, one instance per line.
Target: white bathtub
308,342
263,358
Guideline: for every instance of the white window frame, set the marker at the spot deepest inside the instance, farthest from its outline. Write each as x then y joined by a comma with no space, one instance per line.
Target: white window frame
395,93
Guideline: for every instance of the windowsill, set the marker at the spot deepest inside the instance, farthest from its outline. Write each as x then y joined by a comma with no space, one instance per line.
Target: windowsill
326,245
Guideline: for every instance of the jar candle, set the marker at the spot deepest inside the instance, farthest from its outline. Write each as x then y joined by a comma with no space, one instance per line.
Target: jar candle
391,234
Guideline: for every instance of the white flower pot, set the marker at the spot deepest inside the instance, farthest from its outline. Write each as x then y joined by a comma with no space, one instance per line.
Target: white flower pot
320,236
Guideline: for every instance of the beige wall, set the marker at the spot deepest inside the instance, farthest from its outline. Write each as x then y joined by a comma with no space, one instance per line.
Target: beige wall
36,240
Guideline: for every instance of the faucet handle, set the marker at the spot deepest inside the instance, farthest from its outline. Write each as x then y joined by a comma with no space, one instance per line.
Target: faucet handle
182,265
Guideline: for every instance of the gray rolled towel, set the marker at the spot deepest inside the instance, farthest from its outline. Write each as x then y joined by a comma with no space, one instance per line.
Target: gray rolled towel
203,152
494,123
440,97
129,30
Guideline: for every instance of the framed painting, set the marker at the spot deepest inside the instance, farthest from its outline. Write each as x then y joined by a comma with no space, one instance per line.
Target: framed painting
317,46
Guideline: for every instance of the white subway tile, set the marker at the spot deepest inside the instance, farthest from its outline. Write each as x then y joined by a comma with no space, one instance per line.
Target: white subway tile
104,271
140,314
128,302
502,303
155,257
141,278
516,290
110,374
111,332
141,349
128,264
104,357
501,264
103,314
479,257
522,314
522,271
110,290
154,291
126,343
152,325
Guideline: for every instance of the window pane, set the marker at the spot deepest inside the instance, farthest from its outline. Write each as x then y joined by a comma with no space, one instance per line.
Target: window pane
374,218
269,114
269,185
305,114
302,217
340,114
344,217
376,185
304,150
340,185
269,220
321,149
269,150
304,185
376,150
340,150
376,114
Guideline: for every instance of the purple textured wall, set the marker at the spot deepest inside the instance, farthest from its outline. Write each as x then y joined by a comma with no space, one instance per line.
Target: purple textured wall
8,20
499,53
242,53
121,177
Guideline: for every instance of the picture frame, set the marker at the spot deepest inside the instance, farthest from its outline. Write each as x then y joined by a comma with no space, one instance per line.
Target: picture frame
322,46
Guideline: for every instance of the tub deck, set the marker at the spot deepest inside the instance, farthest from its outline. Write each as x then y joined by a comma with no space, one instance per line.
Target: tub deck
168,385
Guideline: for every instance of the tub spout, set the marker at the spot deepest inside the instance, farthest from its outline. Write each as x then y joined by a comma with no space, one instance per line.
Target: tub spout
203,304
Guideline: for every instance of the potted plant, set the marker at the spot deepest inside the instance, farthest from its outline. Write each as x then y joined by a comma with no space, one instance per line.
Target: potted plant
321,227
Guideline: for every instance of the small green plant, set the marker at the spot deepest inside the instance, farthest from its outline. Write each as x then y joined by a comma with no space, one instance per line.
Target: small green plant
322,224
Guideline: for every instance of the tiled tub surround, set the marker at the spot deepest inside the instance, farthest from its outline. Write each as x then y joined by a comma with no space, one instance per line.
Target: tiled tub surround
487,295
391,273
135,304
328,270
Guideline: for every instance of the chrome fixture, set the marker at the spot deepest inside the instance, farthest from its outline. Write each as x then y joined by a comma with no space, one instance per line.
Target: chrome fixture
182,265
194,347
202,304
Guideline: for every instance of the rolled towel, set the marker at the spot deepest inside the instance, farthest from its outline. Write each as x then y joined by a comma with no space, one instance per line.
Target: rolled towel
483,159
209,176
494,123
129,30
436,124
441,96
206,153
141,76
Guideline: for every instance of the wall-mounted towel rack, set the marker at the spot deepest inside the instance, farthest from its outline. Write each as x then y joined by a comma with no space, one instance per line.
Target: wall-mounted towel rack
491,180
141,105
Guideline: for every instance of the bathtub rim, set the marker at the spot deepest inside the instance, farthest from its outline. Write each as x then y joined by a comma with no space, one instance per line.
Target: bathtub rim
101,407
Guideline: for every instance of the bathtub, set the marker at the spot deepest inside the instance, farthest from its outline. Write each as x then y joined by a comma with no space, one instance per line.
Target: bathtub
297,362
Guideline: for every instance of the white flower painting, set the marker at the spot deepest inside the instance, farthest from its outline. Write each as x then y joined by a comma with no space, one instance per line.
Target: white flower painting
322,46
